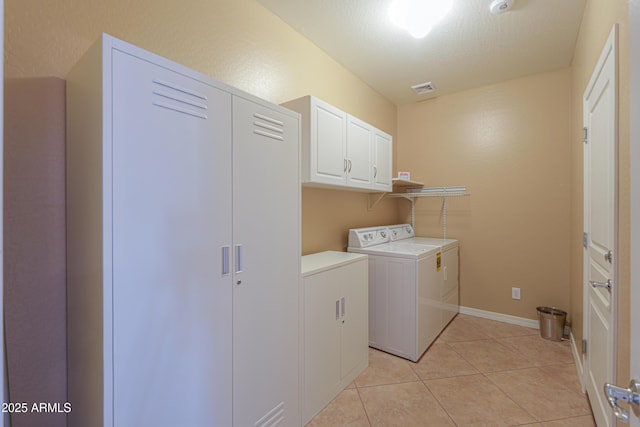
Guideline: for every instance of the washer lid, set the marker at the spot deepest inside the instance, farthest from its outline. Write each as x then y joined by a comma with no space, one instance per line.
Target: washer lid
443,243
398,249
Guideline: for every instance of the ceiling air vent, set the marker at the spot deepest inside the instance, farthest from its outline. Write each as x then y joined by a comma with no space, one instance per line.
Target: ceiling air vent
423,88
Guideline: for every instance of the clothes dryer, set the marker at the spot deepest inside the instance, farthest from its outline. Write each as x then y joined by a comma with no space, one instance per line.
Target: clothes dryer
449,265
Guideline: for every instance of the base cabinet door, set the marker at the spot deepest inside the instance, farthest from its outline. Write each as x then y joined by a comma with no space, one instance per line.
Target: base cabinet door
355,318
322,341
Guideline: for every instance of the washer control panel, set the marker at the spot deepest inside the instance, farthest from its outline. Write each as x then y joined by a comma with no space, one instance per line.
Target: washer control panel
365,237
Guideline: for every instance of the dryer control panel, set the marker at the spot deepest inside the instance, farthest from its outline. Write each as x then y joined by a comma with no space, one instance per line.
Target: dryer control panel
401,231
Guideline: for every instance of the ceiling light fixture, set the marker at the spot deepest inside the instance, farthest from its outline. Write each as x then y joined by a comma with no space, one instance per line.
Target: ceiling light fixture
418,17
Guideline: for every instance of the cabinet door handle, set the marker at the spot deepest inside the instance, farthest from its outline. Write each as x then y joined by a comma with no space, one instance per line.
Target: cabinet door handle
337,309
375,171
349,165
342,303
225,260
238,258
345,165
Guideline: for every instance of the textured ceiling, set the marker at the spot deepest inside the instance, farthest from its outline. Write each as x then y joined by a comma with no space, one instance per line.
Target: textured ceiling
469,48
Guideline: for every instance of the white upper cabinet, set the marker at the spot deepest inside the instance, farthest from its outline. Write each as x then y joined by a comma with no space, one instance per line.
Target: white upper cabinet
382,161
326,143
339,150
359,147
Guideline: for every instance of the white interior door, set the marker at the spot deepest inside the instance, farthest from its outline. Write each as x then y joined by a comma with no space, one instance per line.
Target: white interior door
171,218
600,213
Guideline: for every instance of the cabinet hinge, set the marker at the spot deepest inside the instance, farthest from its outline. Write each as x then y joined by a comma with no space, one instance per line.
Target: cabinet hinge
585,135
584,346
585,240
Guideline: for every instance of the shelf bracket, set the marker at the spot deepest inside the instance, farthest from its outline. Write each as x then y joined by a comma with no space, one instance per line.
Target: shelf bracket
377,198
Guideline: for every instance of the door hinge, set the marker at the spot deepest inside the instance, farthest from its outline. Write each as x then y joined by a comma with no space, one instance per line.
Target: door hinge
585,135
584,346
585,240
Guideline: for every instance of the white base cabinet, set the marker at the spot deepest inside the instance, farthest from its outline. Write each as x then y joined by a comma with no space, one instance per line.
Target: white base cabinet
335,286
341,151
183,274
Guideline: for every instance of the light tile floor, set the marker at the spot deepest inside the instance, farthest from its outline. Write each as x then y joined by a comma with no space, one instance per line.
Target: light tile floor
479,372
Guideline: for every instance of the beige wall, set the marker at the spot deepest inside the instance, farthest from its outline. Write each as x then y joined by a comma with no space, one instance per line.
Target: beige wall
509,144
34,246
599,17
235,41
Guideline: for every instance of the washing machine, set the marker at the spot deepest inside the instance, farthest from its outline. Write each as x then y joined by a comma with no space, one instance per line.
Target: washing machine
449,264
405,309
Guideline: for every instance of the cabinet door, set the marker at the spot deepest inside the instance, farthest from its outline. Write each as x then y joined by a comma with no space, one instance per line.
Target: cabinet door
355,316
359,144
266,230
382,165
328,144
322,322
171,308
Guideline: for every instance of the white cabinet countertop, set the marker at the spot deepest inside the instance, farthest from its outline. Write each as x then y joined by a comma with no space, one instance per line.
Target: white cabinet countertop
322,261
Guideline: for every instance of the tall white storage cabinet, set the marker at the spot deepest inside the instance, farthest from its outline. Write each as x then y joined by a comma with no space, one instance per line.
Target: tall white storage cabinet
183,235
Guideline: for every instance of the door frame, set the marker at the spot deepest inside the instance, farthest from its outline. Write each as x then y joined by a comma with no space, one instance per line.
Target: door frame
634,159
610,47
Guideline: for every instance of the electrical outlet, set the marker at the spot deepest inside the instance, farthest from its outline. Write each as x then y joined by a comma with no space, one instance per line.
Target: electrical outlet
515,293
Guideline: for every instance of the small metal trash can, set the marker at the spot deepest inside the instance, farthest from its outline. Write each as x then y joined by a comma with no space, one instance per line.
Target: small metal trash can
551,323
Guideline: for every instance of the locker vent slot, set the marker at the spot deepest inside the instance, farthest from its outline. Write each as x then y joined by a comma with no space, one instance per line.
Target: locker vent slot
269,127
177,98
272,418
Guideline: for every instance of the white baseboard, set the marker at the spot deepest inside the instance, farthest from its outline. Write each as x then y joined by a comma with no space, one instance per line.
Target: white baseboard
577,358
520,321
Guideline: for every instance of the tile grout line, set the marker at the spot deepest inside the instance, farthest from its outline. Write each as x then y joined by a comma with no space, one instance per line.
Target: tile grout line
509,397
366,413
440,404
